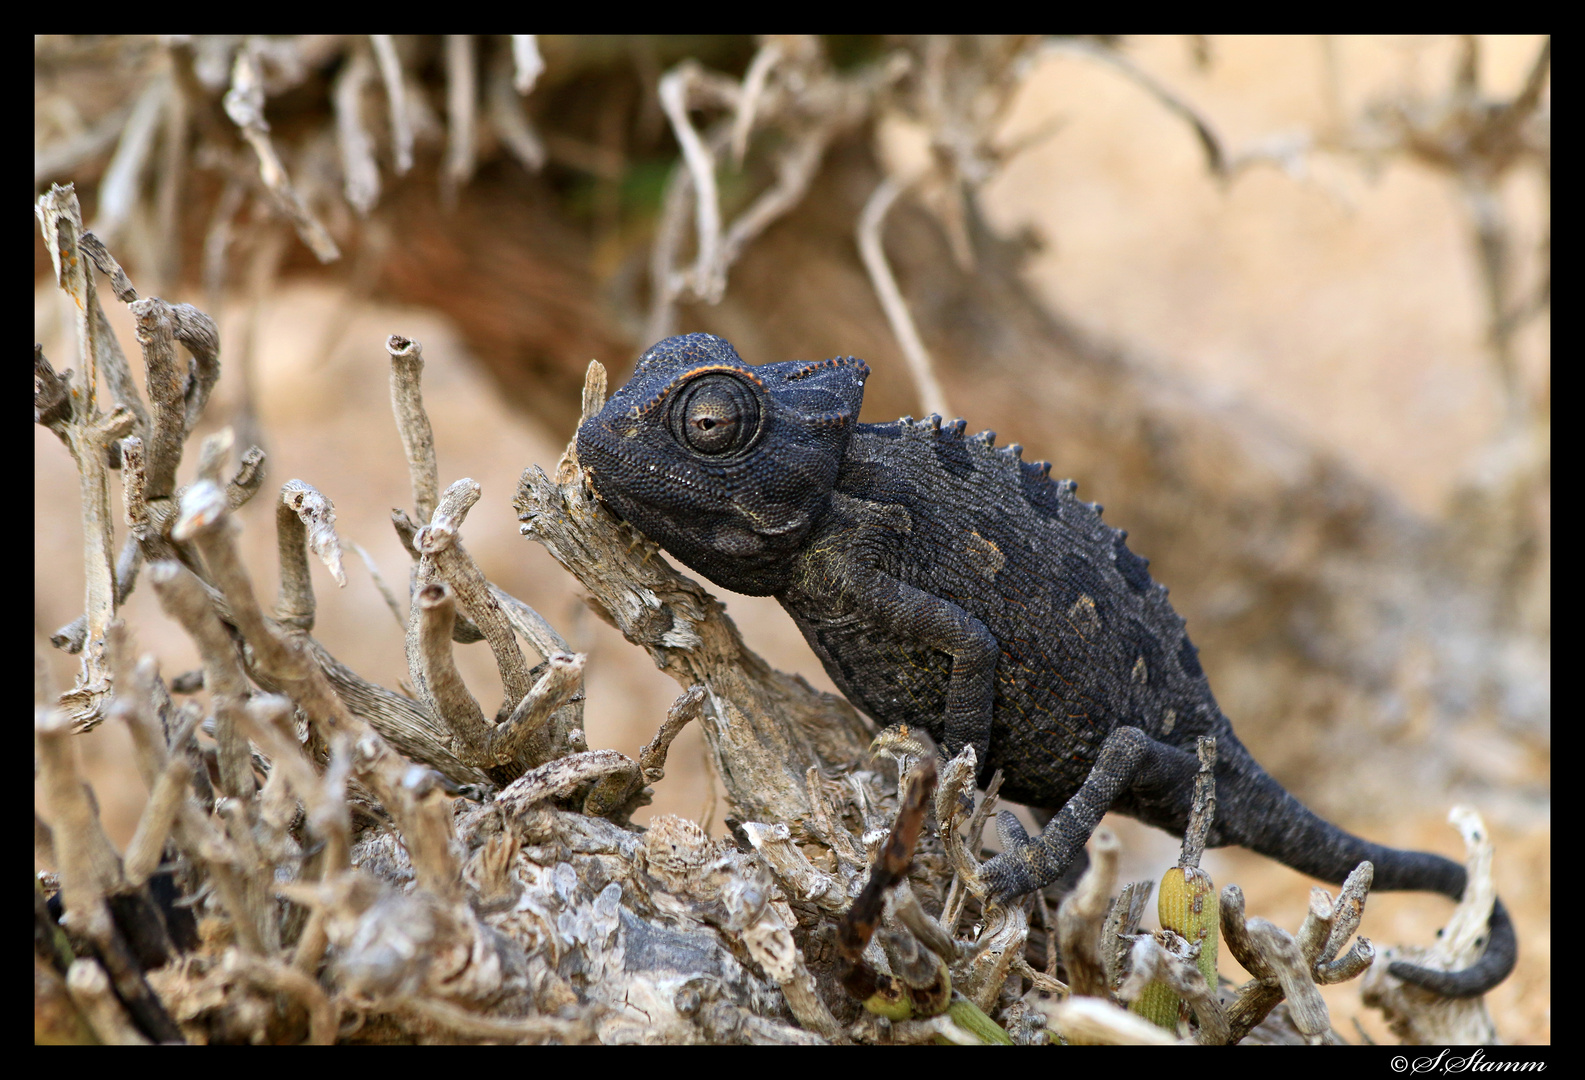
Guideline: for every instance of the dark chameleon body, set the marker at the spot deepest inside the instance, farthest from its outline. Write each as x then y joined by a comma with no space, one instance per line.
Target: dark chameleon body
945,582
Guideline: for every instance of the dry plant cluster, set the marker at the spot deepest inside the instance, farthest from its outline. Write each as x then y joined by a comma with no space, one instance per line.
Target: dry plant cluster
325,859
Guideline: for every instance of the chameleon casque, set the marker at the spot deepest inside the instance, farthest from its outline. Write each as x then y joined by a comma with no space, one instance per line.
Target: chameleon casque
946,583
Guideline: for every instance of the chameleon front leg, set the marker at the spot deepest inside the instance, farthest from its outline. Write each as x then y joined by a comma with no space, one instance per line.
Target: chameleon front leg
942,625
1129,760
891,611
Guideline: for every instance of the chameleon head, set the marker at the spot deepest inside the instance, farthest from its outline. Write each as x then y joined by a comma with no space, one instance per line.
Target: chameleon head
724,465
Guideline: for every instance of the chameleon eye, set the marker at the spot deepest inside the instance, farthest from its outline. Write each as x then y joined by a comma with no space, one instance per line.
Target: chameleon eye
716,414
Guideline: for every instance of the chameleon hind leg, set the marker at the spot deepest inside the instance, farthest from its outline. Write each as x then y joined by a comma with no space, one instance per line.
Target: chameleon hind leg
1131,767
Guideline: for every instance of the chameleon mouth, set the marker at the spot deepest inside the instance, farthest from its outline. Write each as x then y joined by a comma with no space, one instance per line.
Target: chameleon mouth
682,490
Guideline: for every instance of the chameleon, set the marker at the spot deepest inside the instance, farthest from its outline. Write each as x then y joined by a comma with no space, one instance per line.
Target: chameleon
946,583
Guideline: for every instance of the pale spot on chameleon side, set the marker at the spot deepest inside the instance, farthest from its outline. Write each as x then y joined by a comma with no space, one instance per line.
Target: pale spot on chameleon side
1141,673
1085,619
992,558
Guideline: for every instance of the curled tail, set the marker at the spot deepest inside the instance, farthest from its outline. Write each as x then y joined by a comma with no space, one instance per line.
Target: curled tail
1264,817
